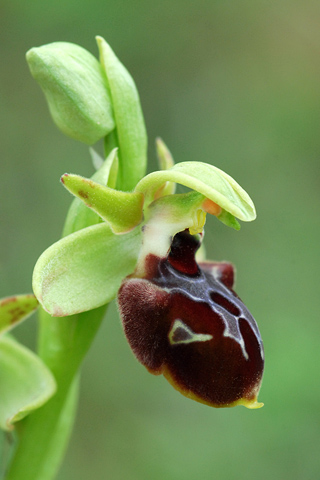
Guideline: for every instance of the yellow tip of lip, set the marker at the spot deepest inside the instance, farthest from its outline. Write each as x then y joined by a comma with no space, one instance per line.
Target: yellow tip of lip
252,404
255,405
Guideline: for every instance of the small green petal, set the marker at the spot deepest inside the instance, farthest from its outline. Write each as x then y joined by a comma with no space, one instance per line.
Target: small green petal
122,210
130,126
97,160
165,162
79,216
164,156
14,310
75,88
206,179
85,269
112,165
25,382
229,220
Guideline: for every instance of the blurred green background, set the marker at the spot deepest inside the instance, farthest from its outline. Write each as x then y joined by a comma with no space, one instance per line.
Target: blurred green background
235,84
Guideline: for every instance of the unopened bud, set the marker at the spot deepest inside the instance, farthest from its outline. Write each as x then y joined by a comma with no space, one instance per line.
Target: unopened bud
75,88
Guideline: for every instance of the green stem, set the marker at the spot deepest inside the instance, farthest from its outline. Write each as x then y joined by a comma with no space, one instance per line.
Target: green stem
111,141
62,433
63,343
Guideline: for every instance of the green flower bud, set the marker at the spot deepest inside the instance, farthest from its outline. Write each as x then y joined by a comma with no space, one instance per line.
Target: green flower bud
76,90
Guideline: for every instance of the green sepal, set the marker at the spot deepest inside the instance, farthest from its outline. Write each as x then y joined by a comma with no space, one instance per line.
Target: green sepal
79,216
130,126
85,269
75,88
15,309
206,179
25,382
122,210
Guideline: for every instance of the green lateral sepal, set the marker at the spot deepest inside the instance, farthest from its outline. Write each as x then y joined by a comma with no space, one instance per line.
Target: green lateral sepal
85,269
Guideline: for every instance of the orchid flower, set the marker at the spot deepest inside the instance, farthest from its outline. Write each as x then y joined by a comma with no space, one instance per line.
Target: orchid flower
129,236
180,318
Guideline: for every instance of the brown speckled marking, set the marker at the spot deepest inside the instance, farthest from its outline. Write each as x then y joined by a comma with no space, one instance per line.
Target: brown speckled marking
16,313
83,194
62,178
5,301
58,312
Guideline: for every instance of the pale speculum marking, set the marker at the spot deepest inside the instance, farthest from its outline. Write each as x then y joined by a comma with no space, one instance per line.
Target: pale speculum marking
180,334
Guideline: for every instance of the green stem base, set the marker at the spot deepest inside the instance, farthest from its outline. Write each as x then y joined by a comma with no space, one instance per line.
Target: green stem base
44,434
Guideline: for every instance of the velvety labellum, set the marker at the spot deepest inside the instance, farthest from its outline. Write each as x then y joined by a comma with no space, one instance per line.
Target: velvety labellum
184,320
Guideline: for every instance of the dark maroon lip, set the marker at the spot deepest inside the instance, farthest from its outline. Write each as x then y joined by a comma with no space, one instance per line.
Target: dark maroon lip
187,322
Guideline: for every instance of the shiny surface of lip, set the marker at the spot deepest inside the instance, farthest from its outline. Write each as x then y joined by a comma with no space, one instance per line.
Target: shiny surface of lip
186,322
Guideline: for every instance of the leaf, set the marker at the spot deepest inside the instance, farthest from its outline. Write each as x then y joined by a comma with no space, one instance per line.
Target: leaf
206,179
122,210
14,310
25,382
85,269
130,126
